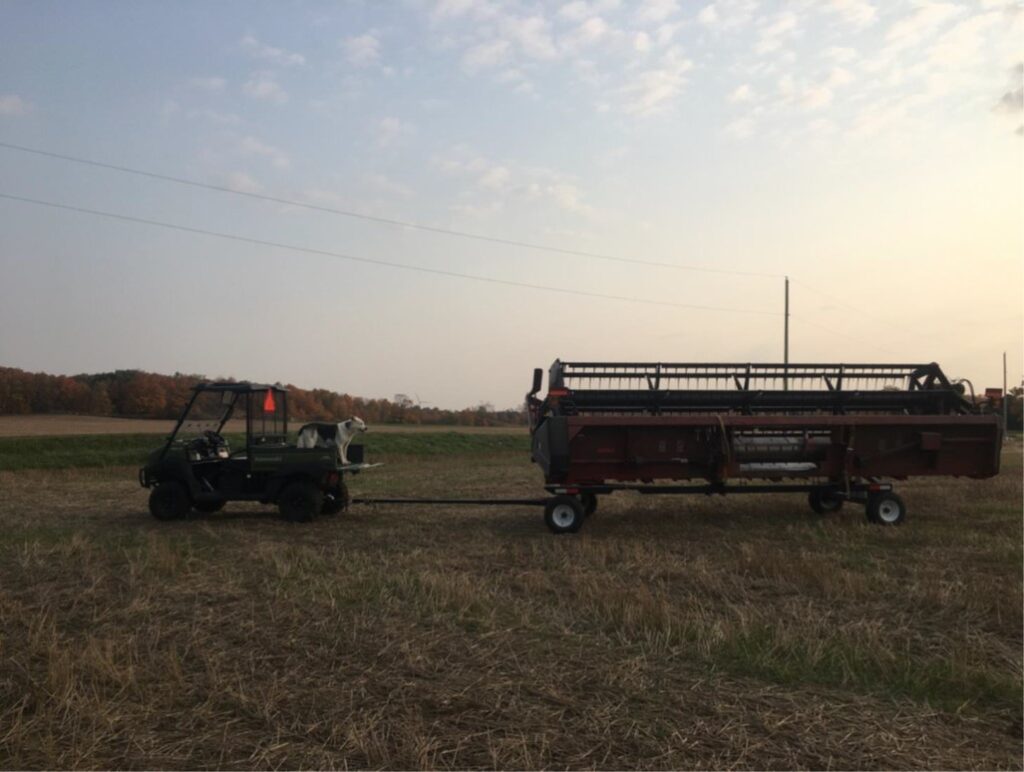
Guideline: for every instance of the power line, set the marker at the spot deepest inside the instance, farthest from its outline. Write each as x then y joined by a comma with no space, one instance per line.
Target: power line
370,261
383,220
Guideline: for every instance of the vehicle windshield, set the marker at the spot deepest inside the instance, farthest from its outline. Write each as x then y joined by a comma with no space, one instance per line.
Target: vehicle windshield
207,414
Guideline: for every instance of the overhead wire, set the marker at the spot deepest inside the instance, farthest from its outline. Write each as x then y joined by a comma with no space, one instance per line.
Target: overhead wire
382,220
372,261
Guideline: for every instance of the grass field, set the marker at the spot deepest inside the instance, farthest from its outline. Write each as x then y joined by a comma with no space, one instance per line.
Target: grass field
736,632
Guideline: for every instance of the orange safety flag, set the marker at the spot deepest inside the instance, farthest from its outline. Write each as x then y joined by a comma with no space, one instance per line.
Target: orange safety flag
268,402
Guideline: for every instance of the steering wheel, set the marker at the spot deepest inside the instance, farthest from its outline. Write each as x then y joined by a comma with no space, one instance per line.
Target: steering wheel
214,440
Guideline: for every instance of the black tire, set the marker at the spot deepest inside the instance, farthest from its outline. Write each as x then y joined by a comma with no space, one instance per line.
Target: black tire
885,509
589,501
208,507
824,502
169,501
564,514
299,501
335,501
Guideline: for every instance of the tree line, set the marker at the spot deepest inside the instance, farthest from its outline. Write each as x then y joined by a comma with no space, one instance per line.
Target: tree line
139,394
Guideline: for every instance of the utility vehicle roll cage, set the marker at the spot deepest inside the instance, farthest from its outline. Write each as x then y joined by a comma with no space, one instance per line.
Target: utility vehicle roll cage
266,406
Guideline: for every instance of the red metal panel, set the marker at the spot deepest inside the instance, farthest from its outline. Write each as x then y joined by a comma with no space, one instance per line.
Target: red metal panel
720,447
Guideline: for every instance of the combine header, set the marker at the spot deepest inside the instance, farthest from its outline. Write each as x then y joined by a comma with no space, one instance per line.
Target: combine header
835,432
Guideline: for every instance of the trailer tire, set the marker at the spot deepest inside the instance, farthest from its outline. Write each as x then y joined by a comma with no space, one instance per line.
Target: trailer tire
169,501
885,509
208,507
564,514
299,501
336,500
589,501
824,502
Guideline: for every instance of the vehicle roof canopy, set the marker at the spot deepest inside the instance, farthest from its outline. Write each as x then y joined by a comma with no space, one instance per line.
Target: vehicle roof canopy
239,387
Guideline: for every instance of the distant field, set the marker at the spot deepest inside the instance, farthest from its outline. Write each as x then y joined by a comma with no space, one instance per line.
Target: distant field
736,632
71,425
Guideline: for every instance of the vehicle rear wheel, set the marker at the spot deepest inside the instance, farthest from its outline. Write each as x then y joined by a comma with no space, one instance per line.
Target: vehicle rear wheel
169,501
299,501
824,502
589,501
564,514
208,507
885,509
335,501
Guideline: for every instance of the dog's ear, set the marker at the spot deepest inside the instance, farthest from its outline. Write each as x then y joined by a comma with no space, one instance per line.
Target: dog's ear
348,424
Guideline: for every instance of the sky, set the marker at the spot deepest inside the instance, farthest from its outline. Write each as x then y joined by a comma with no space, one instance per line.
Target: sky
871,151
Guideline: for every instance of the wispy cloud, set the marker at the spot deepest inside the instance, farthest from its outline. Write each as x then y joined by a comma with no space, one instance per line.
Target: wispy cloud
859,13
271,54
211,85
264,86
362,50
654,89
242,182
391,130
249,145
14,105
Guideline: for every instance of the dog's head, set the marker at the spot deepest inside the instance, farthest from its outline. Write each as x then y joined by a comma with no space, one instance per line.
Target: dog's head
355,424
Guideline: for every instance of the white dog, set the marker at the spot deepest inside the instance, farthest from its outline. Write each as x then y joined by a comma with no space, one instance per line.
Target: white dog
321,435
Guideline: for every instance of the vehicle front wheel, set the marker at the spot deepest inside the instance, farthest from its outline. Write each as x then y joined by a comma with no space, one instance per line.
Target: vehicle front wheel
564,514
299,501
169,501
886,509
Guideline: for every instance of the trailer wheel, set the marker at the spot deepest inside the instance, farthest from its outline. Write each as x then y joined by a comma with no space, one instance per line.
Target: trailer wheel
589,501
335,501
564,514
169,501
208,507
299,501
885,509
824,502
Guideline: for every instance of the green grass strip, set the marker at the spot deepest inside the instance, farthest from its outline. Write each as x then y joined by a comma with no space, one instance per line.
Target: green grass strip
101,450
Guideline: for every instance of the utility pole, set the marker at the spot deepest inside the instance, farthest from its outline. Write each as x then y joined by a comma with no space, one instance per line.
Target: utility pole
785,341
1006,399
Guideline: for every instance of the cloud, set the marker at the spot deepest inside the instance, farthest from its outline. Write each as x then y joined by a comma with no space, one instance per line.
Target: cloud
362,50
384,184
652,90
271,54
923,22
252,146
14,105
772,35
488,55
532,34
391,130
1012,102
243,183
656,11
212,85
742,93
263,86
858,13
742,128
964,42
507,182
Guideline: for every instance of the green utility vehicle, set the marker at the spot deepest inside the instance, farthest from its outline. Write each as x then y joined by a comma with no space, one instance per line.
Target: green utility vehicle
198,469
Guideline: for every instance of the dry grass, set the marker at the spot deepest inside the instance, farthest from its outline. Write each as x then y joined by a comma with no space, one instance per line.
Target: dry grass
78,425
737,632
